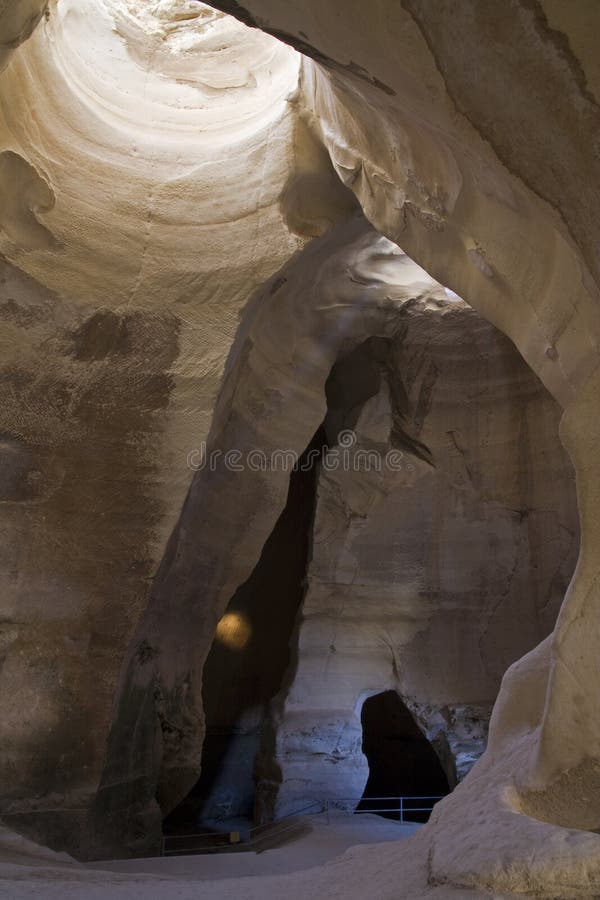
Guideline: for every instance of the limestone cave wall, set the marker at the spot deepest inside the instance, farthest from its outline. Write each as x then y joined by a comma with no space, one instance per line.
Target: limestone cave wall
119,301
431,576
196,227
468,132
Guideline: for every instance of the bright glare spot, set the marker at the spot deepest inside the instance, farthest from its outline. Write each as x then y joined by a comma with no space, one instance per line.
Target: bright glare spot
234,631
451,295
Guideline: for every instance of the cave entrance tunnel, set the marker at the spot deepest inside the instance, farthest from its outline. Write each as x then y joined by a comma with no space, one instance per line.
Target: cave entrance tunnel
253,648
247,663
402,762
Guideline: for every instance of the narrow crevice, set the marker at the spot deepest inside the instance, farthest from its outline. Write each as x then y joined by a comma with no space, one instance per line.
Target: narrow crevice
354,379
248,659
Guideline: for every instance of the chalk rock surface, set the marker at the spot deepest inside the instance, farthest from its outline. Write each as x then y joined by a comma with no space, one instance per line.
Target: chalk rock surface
445,535
469,134
159,165
128,249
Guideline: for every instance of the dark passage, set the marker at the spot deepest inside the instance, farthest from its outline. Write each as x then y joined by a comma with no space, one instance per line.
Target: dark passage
245,667
402,762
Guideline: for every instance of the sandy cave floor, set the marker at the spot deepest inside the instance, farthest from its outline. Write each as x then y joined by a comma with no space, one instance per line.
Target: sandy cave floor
331,862
321,844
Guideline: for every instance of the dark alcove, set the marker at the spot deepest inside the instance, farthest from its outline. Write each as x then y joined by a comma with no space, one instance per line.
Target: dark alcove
402,762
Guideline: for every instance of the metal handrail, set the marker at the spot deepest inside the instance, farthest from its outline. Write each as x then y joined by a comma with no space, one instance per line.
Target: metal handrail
222,844
221,837
403,804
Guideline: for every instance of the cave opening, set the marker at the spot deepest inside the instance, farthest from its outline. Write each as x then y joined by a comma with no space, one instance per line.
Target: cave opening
402,762
247,663
253,651
275,740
